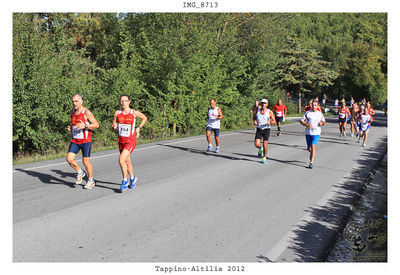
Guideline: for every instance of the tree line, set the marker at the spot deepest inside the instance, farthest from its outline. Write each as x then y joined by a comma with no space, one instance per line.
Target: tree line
172,64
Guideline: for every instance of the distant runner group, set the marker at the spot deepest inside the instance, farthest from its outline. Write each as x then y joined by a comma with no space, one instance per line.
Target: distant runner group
124,121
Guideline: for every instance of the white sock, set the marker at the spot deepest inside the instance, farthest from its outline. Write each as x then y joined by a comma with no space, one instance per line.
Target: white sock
80,172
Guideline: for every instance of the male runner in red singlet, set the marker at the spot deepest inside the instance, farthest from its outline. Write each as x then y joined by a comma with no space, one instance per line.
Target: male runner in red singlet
83,122
280,113
125,120
343,115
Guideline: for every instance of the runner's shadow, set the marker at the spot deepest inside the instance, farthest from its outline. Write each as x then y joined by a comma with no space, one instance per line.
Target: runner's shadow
48,179
301,147
202,152
289,162
72,175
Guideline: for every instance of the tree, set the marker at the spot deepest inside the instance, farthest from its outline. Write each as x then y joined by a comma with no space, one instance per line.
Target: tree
302,70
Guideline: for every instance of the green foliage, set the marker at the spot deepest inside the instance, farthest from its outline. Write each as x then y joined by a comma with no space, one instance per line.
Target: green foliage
172,64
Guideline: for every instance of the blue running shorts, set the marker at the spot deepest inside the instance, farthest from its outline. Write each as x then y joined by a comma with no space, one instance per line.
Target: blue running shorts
312,139
85,147
215,130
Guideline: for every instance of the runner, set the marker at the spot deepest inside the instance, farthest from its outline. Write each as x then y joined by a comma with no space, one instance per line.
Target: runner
253,110
371,111
214,116
313,120
308,106
351,102
385,106
263,120
255,107
365,123
82,124
343,115
280,111
353,119
125,120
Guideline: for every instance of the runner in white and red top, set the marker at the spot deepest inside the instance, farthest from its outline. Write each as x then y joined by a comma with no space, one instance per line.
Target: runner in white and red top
280,113
364,119
371,111
82,124
125,121
343,115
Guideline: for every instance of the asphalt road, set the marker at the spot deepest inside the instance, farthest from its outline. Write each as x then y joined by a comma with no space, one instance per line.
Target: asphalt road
193,206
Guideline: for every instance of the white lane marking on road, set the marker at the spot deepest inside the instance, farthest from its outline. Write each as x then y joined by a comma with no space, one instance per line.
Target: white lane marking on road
112,154
284,243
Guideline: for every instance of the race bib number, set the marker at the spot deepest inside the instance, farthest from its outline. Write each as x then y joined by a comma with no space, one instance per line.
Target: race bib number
264,126
314,130
76,133
279,114
342,115
124,130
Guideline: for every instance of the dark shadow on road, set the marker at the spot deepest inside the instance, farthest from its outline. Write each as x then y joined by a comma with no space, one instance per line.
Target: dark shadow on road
314,238
49,179
202,152
288,162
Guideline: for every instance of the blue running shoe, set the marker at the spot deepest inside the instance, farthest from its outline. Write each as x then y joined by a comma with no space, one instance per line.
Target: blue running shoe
311,166
124,185
132,182
217,150
260,152
209,148
264,160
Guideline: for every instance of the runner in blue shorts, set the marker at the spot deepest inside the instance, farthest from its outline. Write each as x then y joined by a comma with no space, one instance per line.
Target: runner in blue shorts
313,120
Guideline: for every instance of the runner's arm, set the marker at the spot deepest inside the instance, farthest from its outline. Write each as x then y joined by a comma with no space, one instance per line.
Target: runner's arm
220,116
272,116
93,122
144,120
114,124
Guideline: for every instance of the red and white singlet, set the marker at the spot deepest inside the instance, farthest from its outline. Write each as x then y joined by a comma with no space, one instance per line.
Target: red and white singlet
126,127
80,136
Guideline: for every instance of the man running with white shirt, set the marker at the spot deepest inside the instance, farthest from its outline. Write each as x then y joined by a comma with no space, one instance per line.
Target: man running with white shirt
214,116
263,119
313,120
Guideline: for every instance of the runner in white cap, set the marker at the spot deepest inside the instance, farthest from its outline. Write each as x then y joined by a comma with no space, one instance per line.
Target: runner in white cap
263,119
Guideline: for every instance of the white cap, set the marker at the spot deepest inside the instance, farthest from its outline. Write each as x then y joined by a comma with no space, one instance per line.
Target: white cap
264,100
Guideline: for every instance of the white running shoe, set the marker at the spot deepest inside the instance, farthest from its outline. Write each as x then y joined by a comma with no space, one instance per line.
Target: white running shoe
79,178
344,134
363,145
352,135
209,148
359,140
90,184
